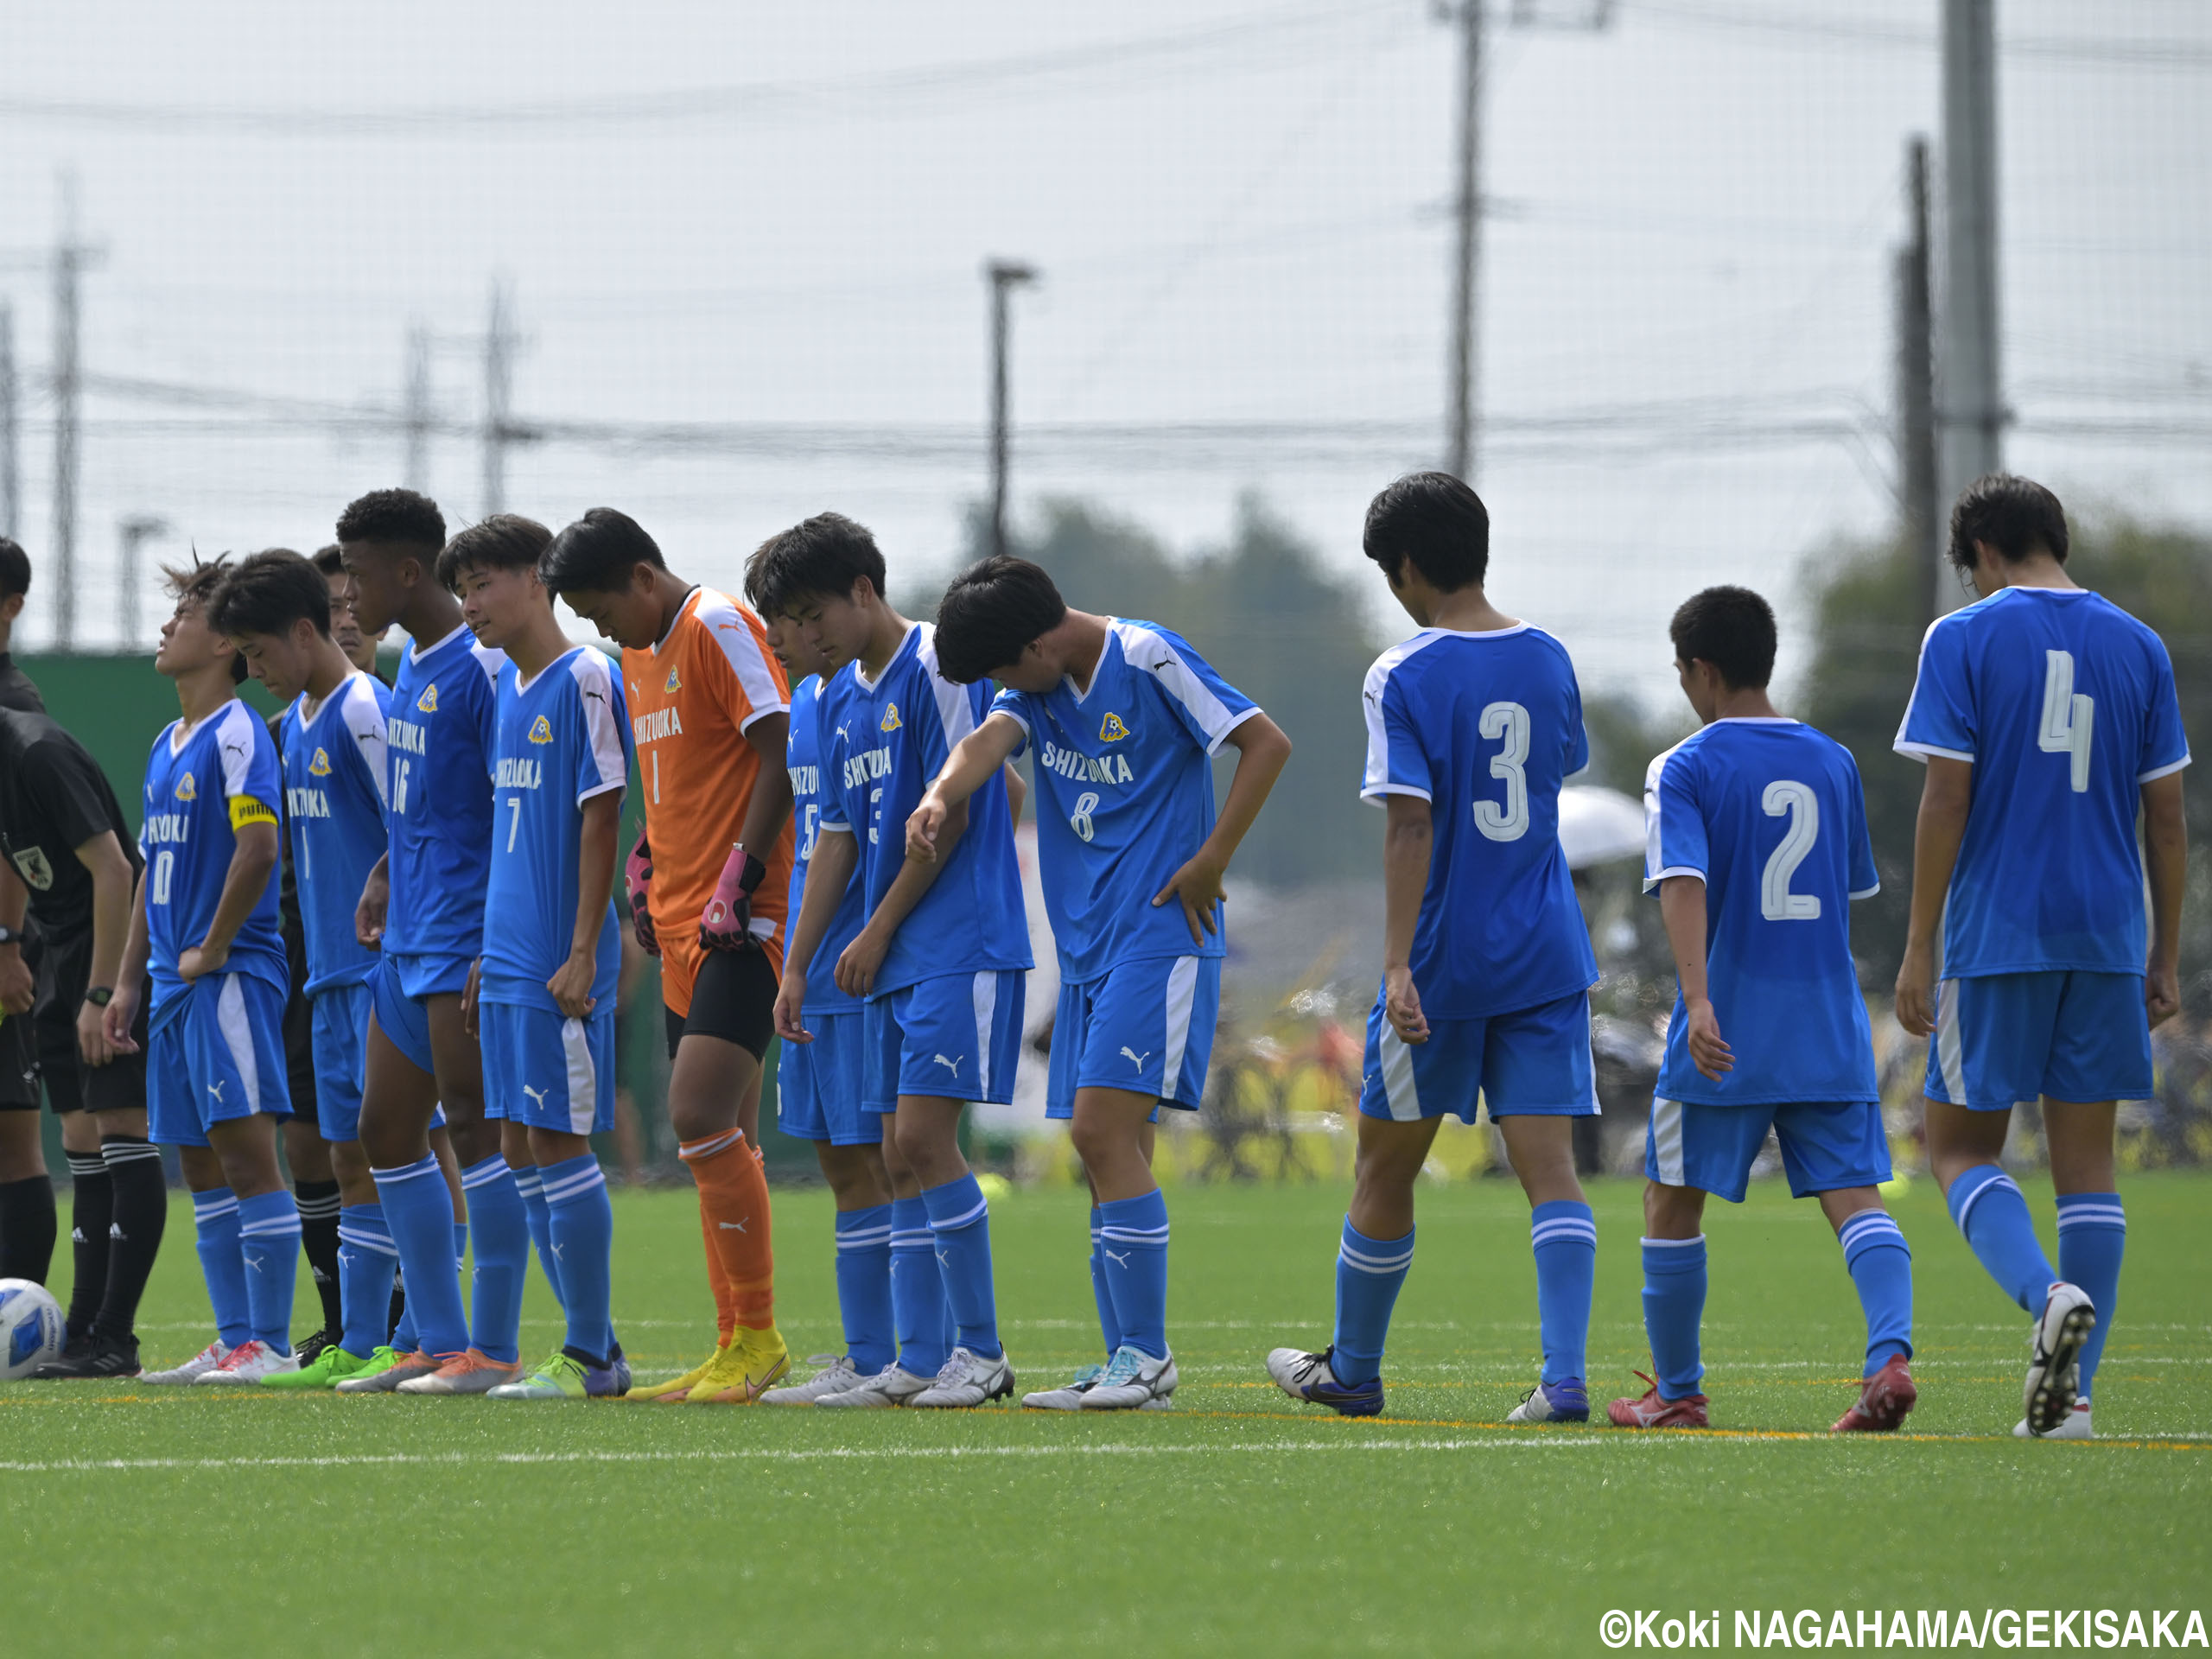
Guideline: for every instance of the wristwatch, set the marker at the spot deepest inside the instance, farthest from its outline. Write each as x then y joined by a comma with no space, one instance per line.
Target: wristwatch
10,934
100,995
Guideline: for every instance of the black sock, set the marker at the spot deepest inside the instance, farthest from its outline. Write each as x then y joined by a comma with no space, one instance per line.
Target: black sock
141,1211
318,1202
26,1229
91,1212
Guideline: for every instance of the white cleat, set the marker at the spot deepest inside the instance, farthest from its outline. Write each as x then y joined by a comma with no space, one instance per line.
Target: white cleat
840,1375
2054,1376
1068,1397
1134,1381
891,1386
2075,1427
968,1380
193,1368
1561,1402
246,1364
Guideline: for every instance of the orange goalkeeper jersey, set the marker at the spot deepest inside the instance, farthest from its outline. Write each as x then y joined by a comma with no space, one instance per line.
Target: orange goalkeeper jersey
691,698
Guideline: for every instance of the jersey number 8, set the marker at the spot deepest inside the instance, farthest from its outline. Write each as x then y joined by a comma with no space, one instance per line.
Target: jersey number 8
1079,820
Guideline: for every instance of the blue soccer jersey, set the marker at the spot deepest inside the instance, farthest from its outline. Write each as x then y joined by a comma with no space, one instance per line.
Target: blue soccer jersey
333,757
1769,813
439,739
880,743
1125,794
1484,726
804,756
191,777
560,739
2065,706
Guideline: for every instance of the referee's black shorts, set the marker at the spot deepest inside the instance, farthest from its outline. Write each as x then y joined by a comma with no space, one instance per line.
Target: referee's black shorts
41,1046
734,998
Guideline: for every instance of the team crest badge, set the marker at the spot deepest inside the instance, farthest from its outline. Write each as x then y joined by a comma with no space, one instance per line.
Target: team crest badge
186,789
674,684
36,872
428,703
542,731
320,765
1112,731
890,717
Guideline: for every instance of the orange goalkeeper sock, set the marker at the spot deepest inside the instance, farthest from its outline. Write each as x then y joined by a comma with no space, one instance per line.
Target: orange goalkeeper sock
717,1281
734,1202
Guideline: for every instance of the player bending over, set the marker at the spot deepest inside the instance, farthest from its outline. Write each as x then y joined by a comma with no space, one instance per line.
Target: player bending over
1487,967
2046,715
710,711
542,999
1757,846
938,962
1124,717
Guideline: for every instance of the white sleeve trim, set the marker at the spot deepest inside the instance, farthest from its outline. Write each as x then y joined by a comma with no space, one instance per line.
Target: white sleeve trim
1375,792
360,705
954,711
1651,882
595,679
833,829
1235,720
2157,772
1866,892
236,756
1920,752
731,627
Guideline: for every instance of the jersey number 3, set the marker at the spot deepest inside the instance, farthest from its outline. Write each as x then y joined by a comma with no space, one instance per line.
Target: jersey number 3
1803,807
2069,717
1508,722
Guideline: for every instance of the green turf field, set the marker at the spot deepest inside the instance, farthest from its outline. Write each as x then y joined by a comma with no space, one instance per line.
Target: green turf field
1237,1522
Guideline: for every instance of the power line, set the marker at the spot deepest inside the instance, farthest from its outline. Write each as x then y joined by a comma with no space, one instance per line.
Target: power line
1796,21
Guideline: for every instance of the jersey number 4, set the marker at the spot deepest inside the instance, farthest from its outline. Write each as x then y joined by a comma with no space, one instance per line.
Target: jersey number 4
2069,716
1776,902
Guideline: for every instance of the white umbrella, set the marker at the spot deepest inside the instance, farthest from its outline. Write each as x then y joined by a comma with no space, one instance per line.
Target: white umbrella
1597,826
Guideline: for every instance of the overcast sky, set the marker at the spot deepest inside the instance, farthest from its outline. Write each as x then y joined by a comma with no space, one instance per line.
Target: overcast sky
772,219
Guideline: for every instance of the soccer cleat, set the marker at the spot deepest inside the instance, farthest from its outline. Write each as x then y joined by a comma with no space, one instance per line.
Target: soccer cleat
2074,1428
308,1352
1069,1396
671,1392
566,1377
1651,1412
837,1373
968,1380
2054,1376
191,1372
472,1372
247,1363
386,1370
1310,1377
1134,1381
754,1361
91,1361
1883,1402
1564,1401
891,1386
329,1368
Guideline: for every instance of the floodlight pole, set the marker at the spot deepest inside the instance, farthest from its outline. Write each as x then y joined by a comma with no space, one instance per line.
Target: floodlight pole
1003,274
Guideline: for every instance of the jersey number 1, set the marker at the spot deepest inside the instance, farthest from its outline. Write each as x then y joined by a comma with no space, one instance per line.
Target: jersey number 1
2069,716
1776,902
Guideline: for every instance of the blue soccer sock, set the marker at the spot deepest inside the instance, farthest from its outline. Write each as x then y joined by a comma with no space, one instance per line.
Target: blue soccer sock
864,1288
215,1219
269,1236
1992,1215
917,1304
1369,1274
1133,1238
960,1222
2092,1238
498,1228
1564,1235
1880,1265
531,1187
583,1243
1673,1307
418,1209
403,1334
1109,1323
367,1263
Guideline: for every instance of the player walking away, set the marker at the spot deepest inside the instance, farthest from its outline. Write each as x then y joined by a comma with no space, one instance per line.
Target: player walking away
938,963
422,907
1756,847
2045,714
1471,724
710,711
205,933
542,999
1124,718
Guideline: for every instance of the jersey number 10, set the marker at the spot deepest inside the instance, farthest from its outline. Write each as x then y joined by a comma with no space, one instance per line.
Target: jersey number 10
2069,716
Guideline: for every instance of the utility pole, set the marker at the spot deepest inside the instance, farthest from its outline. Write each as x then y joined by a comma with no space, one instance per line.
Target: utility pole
1004,275
1459,457
71,259
1970,413
499,386
1916,391
132,534
11,478
417,419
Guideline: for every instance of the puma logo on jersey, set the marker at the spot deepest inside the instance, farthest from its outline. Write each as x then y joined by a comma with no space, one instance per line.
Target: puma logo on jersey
187,788
890,721
320,765
845,731
1111,730
541,730
233,748
952,1066
674,685
1135,1059
428,703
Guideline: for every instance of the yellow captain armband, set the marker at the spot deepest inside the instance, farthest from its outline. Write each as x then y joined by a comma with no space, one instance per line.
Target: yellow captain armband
245,810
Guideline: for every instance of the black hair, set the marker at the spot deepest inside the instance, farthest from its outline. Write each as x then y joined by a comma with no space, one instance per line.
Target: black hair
15,569
597,553
766,599
267,592
1733,628
505,541
1437,521
990,613
819,558
2014,515
399,517
196,584
329,561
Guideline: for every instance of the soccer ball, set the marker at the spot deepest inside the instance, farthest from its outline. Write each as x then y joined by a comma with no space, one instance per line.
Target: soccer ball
31,1328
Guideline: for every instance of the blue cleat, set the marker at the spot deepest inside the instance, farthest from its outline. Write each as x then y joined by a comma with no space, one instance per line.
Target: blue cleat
1564,1401
1307,1376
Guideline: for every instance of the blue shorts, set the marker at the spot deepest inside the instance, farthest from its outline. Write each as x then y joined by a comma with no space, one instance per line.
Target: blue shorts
1528,1062
338,1028
818,1083
954,1038
2006,1039
1145,1026
219,1057
545,1070
1824,1148
402,983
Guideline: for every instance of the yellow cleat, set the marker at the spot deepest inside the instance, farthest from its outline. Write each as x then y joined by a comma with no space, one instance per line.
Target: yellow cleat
672,1392
754,1362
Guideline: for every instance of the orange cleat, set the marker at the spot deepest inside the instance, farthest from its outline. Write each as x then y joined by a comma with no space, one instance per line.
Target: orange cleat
1653,1412
1883,1402
471,1372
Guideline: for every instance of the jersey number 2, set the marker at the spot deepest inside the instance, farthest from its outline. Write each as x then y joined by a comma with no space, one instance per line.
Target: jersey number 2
1776,902
2069,716
1509,721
